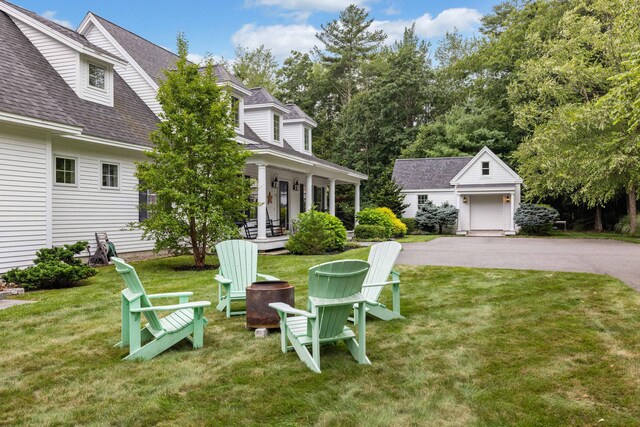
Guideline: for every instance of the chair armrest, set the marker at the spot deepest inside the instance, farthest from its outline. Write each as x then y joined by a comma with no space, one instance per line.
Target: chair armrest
328,302
267,277
170,295
376,285
286,308
223,280
174,307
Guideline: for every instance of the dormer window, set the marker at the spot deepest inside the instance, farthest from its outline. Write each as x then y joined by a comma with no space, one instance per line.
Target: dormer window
307,139
235,111
485,168
276,127
97,76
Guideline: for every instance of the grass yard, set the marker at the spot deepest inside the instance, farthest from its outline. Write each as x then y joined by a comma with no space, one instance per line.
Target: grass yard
559,234
477,347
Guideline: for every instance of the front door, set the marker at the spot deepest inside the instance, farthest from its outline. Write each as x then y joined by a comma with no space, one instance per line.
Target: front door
284,204
486,212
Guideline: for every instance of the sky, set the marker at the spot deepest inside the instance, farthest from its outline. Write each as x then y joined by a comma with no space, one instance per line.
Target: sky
216,27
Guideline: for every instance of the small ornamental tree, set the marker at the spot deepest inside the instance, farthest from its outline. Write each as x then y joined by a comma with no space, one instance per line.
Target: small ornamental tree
196,167
535,219
430,216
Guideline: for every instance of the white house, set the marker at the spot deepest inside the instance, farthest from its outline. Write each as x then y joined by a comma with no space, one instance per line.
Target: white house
76,110
484,189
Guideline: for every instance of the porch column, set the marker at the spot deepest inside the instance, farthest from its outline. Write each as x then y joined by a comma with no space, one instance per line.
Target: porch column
459,203
308,187
332,197
513,211
357,200
262,201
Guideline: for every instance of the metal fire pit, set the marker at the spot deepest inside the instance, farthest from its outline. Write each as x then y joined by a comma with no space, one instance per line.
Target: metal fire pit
259,295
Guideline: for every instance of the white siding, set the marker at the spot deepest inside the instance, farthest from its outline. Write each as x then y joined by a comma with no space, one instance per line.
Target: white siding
498,173
23,198
464,222
64,60
90,93
79,212
259,120
437,197
128,73
293,133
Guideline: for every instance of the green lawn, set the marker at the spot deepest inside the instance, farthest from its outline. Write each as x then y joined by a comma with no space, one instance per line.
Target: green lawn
477,347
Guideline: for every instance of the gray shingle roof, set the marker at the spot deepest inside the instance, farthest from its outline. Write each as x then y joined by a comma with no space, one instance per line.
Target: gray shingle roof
296,112
429,173
152,58
61,29
260,95
29,86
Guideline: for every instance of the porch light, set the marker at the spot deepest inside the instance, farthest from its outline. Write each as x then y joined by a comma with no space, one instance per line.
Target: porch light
464,199
506,199
296,185
274,183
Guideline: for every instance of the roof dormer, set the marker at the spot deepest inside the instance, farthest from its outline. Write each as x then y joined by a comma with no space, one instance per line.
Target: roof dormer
298,129
264,113
69,53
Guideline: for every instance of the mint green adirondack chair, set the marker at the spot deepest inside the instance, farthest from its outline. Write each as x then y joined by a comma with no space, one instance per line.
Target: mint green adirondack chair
333,289
238,269
382,257
160,333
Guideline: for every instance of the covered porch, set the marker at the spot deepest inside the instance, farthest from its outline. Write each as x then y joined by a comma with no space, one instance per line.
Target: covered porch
286,187
487,209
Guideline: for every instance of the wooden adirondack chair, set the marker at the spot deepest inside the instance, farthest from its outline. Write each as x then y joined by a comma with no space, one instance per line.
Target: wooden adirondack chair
238,269
382,257
333,289
185,321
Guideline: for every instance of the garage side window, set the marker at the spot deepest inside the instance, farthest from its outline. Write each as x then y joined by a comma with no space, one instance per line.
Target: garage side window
485,168
422,199
65,171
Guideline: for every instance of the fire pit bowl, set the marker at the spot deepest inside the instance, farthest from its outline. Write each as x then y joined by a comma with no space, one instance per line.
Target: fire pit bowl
259,295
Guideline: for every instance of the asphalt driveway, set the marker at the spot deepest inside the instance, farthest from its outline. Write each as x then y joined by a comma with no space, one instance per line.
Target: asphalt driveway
618,259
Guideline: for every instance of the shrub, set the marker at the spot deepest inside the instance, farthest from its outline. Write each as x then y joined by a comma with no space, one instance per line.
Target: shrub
317,233
54,267
398,228
535,219
370,232
624,225
430,216
372,216
411,225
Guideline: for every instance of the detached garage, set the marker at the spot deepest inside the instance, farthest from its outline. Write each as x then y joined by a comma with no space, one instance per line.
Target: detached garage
484,189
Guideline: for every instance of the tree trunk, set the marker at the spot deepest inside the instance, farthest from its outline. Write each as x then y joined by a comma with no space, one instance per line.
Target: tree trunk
598,220
198,255
632,210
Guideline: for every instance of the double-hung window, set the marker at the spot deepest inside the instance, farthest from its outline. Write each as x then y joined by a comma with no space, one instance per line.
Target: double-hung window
422,199
110,175
235,111
97,76
65,171
307,139
485,168
276,127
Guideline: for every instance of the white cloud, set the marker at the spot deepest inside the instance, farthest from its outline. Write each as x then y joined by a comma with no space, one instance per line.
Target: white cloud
281,39
51,15
196,58
463,19
391,11
307,5
200,59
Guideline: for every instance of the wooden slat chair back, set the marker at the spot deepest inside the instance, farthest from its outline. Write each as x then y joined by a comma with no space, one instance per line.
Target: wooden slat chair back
238,269
136,290
334,288
335,280
186,320
382,258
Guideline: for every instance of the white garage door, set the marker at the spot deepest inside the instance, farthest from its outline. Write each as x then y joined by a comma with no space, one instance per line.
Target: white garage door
486,212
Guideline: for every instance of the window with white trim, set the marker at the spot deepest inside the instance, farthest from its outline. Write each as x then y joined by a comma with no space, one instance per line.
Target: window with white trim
235,111
485,168
97,75
307,139
65,170
422,199
276,127
110,178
